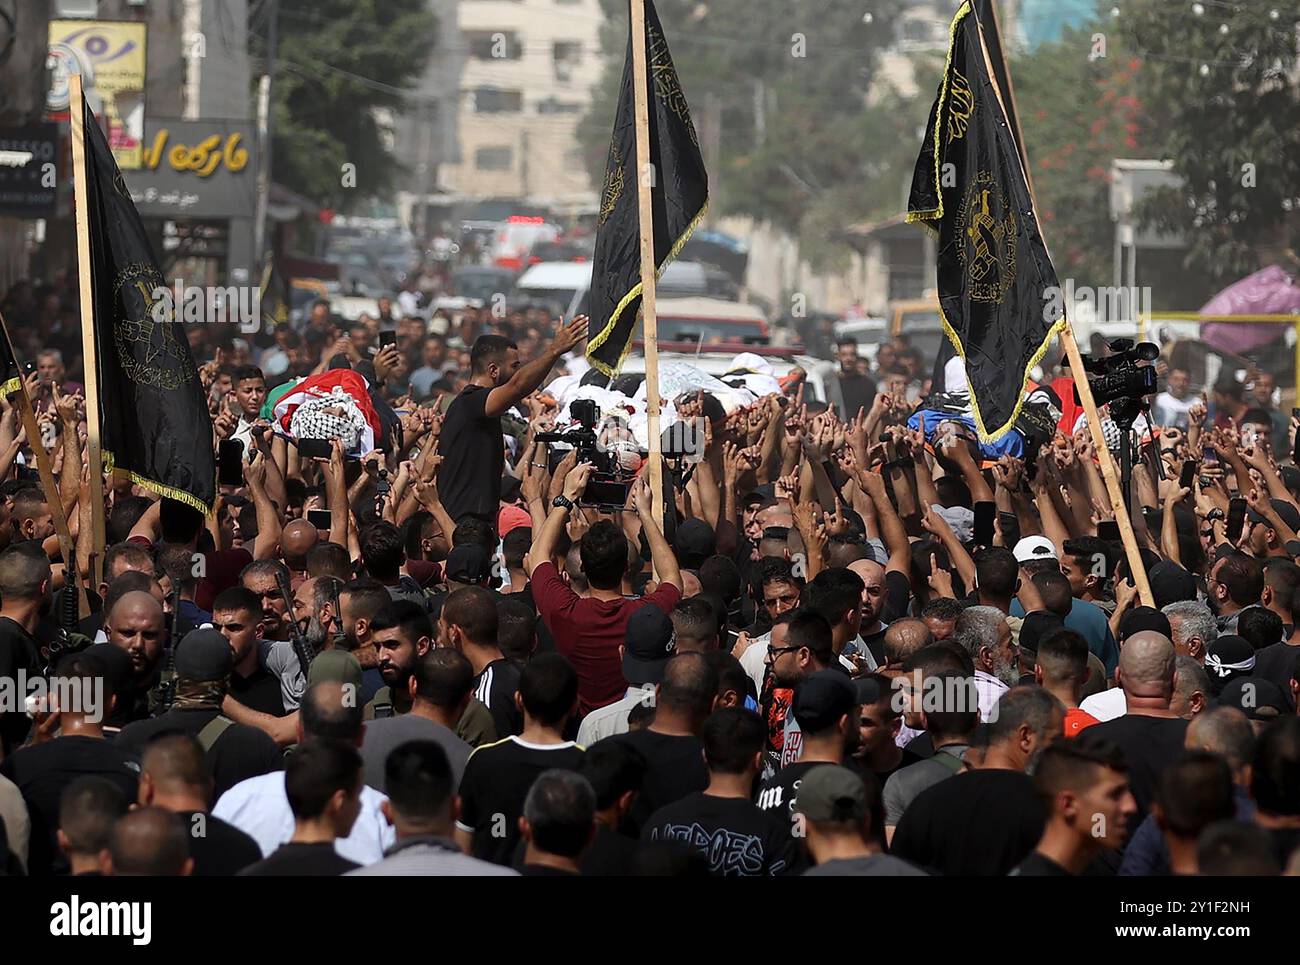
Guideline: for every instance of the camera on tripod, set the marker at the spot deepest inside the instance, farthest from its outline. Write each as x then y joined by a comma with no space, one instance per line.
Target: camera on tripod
609,483
1120,381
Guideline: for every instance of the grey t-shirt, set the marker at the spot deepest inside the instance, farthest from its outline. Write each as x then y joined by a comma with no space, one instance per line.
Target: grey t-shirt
904,785
279,657
388,733
876,866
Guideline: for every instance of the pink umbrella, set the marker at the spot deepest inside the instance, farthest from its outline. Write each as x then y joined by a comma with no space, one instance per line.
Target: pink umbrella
1268,292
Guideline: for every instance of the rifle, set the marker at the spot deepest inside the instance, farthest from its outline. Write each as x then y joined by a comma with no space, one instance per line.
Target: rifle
339,636
165,691
301,647
70,639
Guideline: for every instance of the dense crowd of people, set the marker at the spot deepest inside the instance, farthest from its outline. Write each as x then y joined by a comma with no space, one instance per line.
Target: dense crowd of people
422,635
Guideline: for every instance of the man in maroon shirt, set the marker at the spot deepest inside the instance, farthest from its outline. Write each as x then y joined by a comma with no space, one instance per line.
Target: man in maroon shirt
589,630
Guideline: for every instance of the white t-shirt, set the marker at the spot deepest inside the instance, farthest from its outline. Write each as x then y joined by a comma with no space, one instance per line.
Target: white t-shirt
754,660
1106,705
260,808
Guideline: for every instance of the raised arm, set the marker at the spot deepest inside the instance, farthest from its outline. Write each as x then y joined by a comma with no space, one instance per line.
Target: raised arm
661,554
529,376
268,519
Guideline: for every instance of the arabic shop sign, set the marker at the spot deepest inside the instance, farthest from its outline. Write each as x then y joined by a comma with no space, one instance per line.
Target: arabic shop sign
198,169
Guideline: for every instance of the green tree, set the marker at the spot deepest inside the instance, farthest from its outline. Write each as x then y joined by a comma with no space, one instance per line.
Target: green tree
338,63
1222,83
785,84
1080,107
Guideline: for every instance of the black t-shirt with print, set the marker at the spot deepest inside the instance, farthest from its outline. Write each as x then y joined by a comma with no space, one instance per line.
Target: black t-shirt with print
736,837
497,778
496,687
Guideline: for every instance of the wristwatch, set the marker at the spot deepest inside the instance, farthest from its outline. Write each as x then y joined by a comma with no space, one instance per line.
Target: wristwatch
562,502
1215,514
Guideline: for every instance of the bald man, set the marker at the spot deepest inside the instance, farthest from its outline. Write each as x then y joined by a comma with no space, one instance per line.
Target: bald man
902,639
872,633
1150,733
150,841
296,540
136,625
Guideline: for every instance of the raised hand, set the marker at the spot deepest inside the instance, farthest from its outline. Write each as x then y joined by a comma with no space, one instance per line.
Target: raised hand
567,336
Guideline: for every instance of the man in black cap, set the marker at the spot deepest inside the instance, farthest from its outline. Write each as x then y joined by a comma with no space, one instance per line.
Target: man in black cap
1270,524
649,645
469,565
823,705
694,543
839,811
234,752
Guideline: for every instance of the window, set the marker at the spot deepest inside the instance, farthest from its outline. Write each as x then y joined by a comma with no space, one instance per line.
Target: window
494,158
493,100
566,55
554,106
494,44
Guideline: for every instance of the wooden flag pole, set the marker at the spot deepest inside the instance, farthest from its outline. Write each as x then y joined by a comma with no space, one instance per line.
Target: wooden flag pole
1108,474
89,357
645,217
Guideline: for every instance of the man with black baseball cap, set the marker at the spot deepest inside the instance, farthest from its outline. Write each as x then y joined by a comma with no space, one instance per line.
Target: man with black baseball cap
1266,537
468,565
648,646
824,703
838,811
694,543
233,752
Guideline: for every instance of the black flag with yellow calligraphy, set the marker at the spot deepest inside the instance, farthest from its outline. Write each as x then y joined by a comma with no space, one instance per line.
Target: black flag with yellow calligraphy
155,427
995,279
273,295
11,376
679,197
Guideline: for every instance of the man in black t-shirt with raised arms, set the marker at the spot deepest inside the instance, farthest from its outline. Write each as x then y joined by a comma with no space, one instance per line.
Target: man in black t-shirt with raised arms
1084,785
473,452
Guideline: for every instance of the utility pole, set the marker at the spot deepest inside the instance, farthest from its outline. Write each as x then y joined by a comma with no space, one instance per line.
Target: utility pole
265,129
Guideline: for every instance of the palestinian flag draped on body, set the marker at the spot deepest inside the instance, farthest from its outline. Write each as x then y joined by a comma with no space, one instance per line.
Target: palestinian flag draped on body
679,198
155,427
995,279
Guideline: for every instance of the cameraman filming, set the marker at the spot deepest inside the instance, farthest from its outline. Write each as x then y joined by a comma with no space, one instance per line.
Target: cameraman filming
472,449
590,630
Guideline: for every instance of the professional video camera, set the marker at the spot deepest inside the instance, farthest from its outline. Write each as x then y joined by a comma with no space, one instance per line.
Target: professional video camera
609,482
1118,380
